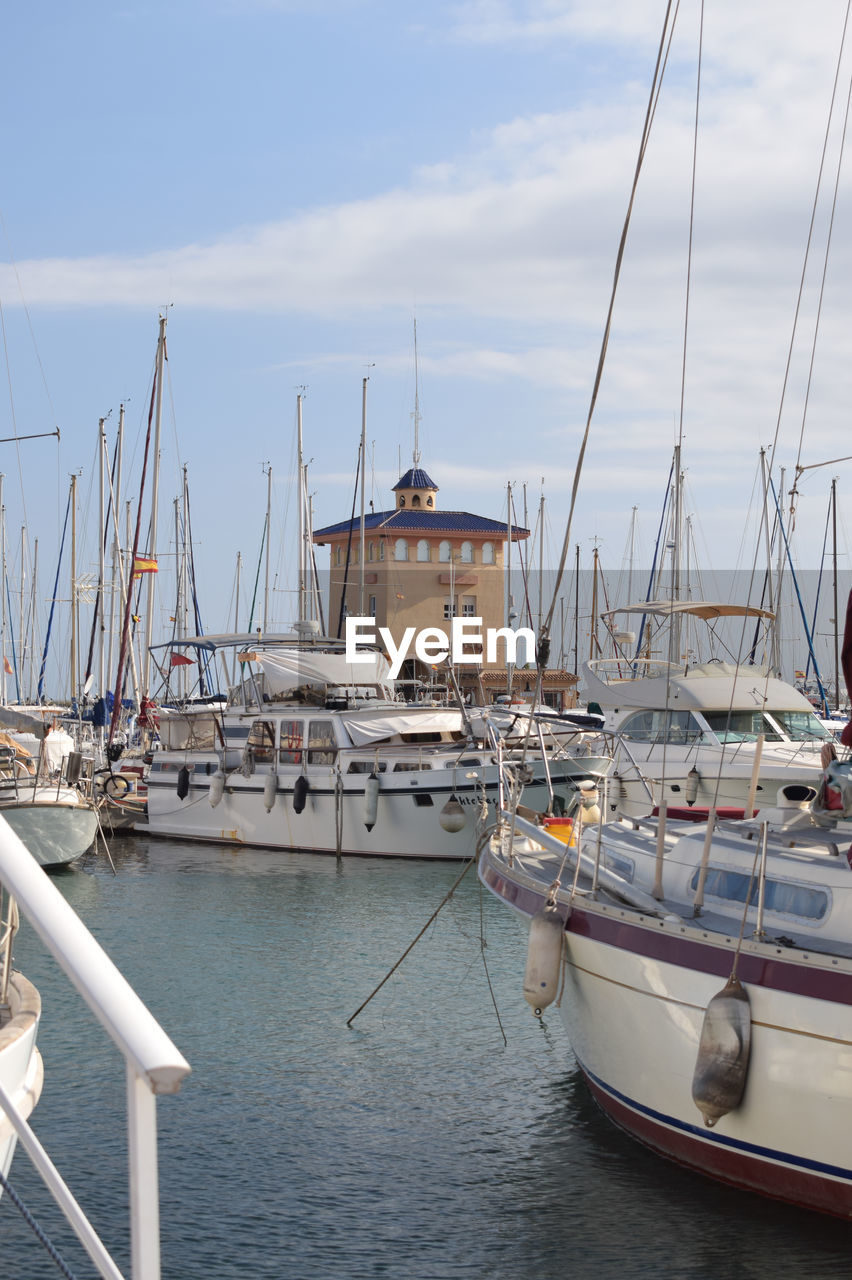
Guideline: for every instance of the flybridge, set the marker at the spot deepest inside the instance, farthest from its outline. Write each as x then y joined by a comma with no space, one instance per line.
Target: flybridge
465,644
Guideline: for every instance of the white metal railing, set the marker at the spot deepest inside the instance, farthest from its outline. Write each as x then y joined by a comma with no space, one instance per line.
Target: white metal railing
154,1065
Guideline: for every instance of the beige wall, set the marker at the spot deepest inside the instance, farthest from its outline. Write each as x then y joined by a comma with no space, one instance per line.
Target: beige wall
412,592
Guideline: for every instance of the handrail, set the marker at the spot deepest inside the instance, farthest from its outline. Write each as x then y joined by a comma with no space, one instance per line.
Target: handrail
154,1064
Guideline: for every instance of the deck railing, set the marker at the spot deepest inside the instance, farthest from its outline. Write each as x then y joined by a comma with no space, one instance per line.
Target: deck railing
153,1063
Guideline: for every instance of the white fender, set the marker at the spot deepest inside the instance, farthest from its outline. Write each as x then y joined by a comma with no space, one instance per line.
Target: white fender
452,817
270,790
217,788
544,958
371,800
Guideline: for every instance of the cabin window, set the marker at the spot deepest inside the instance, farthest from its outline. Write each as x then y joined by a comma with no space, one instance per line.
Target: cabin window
445,552
400,549
261,741
322,744
290,742
423,550
488,553
366,766
656,727
467,553
410,768
782,896
800,726
741,726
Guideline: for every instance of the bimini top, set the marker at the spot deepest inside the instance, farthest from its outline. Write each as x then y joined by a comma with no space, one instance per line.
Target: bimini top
695,608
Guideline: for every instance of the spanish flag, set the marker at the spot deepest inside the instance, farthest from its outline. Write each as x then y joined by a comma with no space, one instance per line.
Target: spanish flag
7,667
144,564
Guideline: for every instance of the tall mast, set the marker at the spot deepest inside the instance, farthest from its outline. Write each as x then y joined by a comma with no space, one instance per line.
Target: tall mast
834,586
73,680
3,622
102,534
155,494
268,540
303,524
362,541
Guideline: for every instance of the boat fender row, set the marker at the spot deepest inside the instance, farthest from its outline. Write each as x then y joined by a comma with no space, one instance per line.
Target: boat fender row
301,787
371,800
544,958
723,1052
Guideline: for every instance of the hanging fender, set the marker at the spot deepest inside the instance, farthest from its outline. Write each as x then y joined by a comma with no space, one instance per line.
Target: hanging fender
301,787
723,1052
544,958
183,782
217,788
452,817
371,800
270,790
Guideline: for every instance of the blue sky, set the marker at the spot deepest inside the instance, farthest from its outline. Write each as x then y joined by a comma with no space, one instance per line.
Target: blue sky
294,181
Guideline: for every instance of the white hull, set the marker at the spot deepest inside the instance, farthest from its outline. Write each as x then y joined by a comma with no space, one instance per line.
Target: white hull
55,831
21,1070
636,987
408,814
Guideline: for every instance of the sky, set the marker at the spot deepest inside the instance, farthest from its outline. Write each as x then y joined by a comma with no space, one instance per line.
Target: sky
293,182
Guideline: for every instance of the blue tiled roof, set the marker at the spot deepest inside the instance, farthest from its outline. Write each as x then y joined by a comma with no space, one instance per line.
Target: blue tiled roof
415,520
415,478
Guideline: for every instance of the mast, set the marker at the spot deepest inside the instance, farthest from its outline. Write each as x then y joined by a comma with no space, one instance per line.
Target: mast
303,529
362,540
416,403
3,625
73,678
268,540
155,494
102,536
834,588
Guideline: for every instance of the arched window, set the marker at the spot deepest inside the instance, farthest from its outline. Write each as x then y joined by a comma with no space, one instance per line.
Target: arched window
402,499
371,552
445,552
467,552
423,552
382,549
340,555
415,501
429,502
400,549
488,553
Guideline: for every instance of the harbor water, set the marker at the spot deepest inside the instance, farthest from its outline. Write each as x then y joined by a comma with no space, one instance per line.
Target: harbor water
416,1143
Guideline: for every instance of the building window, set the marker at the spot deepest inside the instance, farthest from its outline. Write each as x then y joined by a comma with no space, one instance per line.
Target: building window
450,607
467,552
339,555
429,502
445,552
423,552
402,499
400,549
371,554
382,549
415,501
371,607
468,606
488,553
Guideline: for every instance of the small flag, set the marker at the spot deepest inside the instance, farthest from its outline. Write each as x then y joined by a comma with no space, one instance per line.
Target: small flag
135,617
180,660
7,667
144,564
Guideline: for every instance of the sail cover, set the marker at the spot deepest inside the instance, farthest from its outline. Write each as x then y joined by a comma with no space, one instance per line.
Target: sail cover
288,669
372,724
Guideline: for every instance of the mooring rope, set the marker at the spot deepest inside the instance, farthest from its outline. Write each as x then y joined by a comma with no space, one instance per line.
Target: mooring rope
36,1229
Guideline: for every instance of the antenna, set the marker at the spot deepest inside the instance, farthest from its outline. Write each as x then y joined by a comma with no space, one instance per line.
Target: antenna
416,402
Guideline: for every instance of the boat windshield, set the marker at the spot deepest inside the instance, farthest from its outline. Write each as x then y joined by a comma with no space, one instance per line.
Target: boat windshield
742,726
801,726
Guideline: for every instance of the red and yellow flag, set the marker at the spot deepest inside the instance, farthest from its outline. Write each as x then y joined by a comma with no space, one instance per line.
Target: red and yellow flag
144,564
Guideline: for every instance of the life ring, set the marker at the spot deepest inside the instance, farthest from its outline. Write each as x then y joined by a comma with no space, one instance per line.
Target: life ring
115,786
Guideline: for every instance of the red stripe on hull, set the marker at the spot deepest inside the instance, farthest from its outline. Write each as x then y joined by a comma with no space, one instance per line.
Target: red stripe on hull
779,1181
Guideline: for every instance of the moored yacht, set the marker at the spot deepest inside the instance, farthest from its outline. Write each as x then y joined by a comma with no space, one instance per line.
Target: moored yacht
313,752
